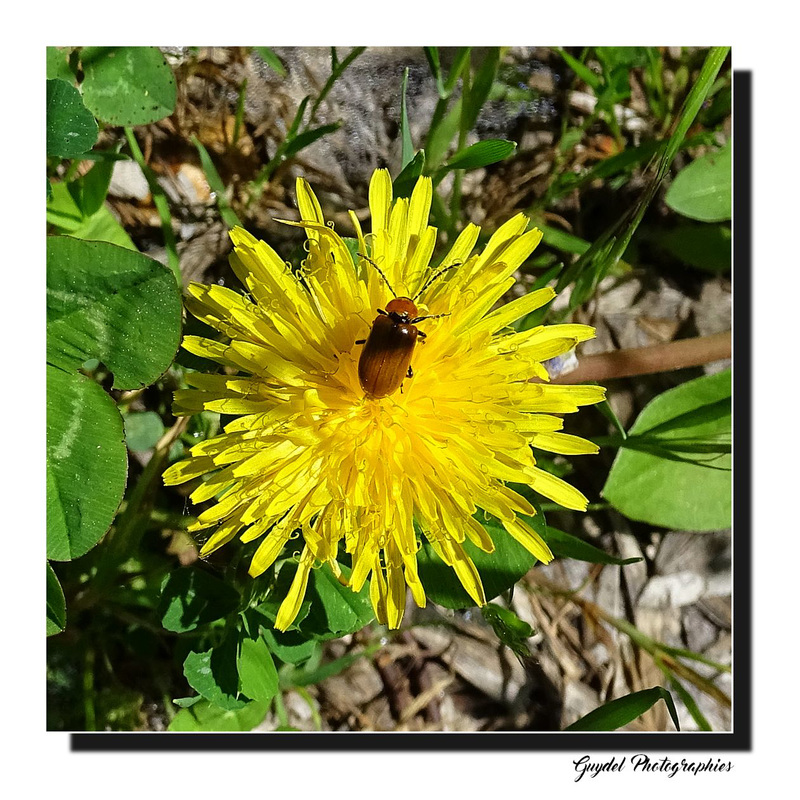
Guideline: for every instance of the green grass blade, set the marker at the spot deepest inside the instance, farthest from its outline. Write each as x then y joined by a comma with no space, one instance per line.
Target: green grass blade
432,54
161,204
338,68
215,182
617,713
478,93
605,409
239,120
460,59
405,133
308,137
294,676
271,60
691,705
564,545
581,70
441,134
404,183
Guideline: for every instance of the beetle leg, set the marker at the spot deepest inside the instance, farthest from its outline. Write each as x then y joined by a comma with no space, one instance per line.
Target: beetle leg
422,335
410,372
361,341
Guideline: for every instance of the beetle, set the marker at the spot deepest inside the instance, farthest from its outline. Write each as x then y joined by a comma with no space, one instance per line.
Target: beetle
385,360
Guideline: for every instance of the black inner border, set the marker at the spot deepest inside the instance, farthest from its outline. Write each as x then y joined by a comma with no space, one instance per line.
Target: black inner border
740,739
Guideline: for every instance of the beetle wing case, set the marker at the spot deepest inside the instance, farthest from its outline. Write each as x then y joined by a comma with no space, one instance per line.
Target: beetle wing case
386,356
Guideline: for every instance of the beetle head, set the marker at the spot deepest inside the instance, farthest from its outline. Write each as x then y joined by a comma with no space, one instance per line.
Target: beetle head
402,308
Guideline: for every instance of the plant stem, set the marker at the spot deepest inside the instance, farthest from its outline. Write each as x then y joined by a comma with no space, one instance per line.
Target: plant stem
88,691
336,72
681,354
455,200
315,716
237,125
280,710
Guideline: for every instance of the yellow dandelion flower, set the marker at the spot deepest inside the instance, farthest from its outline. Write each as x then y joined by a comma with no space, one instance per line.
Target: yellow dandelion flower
361,459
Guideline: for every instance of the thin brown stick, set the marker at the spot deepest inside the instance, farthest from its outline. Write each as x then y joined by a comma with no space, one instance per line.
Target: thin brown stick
646,360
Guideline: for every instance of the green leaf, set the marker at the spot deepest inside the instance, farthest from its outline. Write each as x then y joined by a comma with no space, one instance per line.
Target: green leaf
103,226
336,610
112,304
142,430
257,673
565,545
86,464
56,606
716,111
213,673
105,155
352,246
405,133
290,647
271,60
127,85
706,246
629,57
561,240
62,210
571,137
679,474
203,716
305,676
616,89
499,570
187,702
702,190
405,182
481,154
71,129
58,64
90,190
191,596
619,712
509,628
66,217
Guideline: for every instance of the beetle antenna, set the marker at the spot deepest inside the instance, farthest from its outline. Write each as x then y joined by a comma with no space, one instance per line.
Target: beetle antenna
430,316
380,272
435,276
